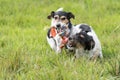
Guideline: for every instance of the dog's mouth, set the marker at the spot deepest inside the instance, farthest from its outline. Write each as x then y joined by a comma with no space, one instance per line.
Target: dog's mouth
62,29
61,25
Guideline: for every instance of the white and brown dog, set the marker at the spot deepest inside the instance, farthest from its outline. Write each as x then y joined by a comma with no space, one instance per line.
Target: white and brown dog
80,38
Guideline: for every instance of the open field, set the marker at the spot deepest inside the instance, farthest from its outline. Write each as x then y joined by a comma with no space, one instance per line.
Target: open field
26,55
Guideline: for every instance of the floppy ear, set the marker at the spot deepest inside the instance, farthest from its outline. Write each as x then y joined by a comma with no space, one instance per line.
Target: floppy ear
70,15
51,15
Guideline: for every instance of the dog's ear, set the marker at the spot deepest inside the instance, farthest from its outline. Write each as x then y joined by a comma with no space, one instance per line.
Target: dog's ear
51,15
70,15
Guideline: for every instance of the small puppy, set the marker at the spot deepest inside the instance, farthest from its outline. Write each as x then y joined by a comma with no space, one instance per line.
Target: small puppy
85,42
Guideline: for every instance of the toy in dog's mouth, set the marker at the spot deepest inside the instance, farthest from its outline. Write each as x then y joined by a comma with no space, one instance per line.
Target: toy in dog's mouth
54,32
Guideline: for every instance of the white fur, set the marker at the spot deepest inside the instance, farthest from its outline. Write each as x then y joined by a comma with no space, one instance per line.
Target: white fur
60,9
55,43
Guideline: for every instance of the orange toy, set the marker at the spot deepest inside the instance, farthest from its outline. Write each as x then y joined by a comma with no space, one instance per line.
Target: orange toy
53,32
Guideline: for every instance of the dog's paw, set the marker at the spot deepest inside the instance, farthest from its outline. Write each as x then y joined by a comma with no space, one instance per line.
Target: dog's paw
58,50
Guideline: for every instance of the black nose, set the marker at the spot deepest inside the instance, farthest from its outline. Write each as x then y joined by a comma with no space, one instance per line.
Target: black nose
70,38
58,25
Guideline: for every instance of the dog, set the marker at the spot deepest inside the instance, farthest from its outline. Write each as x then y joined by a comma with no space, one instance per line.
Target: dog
59,31
80,38
84,41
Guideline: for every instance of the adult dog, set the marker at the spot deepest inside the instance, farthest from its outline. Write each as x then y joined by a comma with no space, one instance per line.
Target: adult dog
80,38
60,29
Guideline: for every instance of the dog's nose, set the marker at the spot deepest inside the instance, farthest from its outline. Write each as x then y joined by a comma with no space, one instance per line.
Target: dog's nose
58,25
70,38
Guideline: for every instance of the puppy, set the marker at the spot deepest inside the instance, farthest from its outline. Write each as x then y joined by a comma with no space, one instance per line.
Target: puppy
59,32
85,42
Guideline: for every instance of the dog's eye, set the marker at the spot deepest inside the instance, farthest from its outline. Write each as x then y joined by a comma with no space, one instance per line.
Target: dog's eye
63,19
56,18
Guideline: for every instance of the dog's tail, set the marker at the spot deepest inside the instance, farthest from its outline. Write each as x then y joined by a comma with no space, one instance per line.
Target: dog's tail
60,9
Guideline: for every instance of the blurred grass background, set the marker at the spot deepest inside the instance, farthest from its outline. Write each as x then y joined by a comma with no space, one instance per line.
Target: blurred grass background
26,55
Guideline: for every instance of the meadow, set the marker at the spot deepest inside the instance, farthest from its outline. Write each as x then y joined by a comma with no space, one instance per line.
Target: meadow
26,55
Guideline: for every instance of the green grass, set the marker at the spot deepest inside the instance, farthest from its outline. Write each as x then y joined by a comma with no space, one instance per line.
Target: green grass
26,55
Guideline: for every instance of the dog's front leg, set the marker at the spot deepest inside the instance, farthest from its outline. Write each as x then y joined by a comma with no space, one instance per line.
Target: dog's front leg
78,53
52,43
58,40
95,54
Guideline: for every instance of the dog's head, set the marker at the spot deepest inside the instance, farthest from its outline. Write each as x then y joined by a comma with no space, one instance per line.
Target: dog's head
81,39
60,18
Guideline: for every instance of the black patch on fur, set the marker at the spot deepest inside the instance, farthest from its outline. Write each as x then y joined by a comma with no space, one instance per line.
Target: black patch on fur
51,15
85,40
61,13
72,41
85,28
48,33
68,15
69,25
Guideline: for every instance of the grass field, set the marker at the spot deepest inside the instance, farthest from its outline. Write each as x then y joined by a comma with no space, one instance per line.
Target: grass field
26,55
